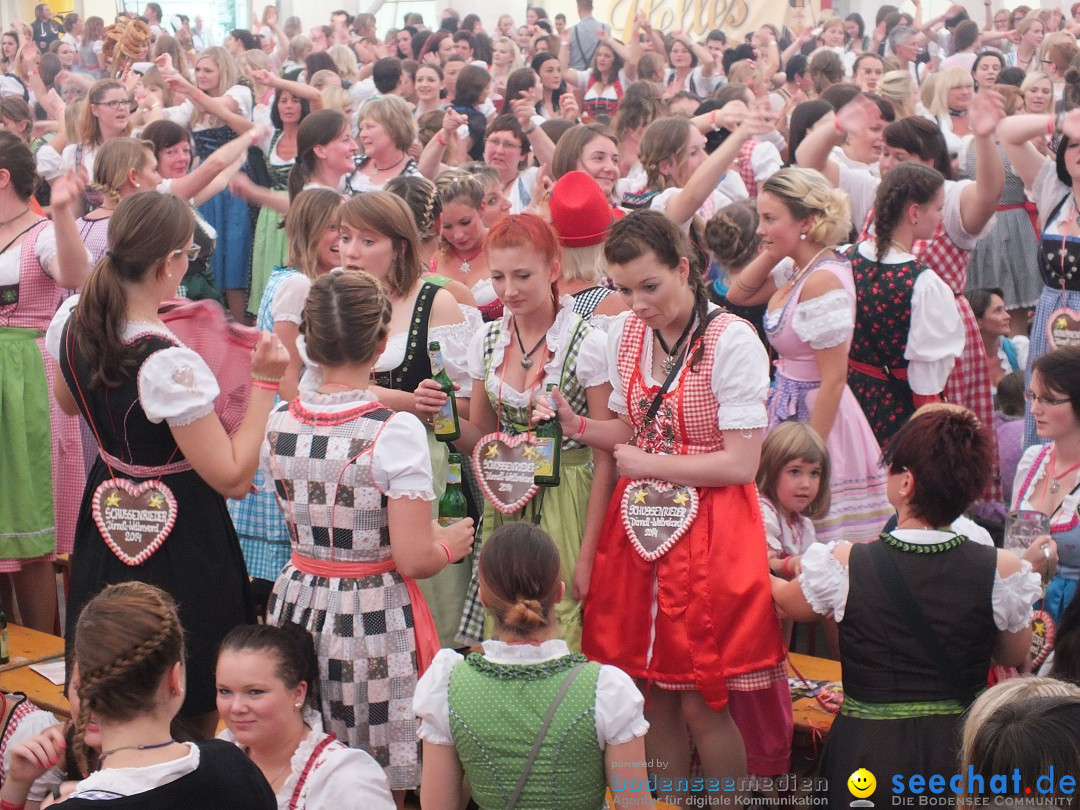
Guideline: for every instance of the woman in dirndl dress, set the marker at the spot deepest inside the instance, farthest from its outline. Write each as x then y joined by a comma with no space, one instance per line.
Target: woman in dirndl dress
271,249
692,620
218,108
810,324
1052,184
539,341
902,705
908,332
40,457
1007,257
312,240
354,480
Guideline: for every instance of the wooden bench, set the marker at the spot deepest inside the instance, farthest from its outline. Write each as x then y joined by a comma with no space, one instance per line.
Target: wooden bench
810,718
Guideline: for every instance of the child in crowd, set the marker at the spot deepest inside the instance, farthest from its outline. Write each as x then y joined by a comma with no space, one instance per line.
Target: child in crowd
793,487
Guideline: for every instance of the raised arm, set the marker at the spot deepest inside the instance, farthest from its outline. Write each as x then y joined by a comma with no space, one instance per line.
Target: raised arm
220,160
979,200
542,146
1016,133
218,107
430,163
855,116
72,264
227,463
684,204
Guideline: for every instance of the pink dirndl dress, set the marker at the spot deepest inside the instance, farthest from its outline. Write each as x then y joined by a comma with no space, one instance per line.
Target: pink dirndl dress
859,507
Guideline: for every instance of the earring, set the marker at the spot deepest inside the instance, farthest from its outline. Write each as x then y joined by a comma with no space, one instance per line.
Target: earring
138,185
802,236
297,705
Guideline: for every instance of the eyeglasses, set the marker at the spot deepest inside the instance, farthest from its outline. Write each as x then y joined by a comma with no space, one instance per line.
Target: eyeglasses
504,144
1034,398
192,252
1046,61
116,104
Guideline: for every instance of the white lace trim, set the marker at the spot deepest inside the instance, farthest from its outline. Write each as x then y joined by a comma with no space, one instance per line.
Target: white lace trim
499,652
412,494
1013,597
825,321
824,581
747,416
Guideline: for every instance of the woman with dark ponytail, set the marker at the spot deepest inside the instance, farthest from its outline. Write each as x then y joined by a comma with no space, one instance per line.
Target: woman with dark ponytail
129,645
41,449
268,696
479,715
908,331
149,402
691,617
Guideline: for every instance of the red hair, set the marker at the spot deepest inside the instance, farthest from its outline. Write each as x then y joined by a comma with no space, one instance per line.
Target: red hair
525,231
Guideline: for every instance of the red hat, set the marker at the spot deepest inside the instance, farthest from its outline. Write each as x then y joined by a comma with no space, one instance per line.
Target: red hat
580,212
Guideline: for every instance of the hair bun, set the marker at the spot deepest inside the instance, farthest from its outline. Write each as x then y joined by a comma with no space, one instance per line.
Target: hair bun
525,615
1072,76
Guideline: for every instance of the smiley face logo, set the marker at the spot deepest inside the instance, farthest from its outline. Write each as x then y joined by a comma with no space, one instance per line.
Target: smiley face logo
862,783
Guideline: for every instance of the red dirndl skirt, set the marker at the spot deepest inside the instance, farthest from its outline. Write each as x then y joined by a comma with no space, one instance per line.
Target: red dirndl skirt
714,608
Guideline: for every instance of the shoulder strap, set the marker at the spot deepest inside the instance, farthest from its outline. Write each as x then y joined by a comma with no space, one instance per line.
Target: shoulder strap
902,598
654,407
540,735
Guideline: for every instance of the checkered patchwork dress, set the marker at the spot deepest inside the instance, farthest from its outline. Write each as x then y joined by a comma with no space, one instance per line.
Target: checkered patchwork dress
322,465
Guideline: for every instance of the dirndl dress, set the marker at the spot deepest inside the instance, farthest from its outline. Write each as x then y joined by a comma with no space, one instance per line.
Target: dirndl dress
1007,257
271,249
335,460
700,617
41,454
575,362
859,505
231,217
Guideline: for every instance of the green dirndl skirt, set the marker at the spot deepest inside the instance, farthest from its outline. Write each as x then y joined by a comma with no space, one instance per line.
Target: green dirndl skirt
444,592
562,516
271,250
27,521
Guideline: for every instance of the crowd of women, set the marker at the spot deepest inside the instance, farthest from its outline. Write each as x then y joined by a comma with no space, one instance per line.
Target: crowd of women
802,313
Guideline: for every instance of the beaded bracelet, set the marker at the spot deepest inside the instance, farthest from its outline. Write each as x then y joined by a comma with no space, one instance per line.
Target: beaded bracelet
446,548
264,378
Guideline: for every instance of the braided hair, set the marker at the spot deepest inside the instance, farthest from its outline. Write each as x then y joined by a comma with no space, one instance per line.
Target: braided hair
904,185
640,232
422,197
127,639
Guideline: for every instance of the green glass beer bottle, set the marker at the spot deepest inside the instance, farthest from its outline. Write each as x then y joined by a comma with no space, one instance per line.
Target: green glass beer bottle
445,422
452,505
548,444
4,655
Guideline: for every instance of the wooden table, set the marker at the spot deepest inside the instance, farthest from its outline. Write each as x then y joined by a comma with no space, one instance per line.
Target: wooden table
26,646
41,691
810,718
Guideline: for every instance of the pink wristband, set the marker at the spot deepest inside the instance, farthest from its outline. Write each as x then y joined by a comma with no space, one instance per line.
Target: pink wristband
446,548
265,385
581,430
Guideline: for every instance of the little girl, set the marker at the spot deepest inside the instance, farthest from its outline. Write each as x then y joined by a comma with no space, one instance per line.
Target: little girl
794,463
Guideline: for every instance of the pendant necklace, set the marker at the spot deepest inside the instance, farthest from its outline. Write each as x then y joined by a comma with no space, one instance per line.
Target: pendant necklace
526,363
669,362
466,264
1055,478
